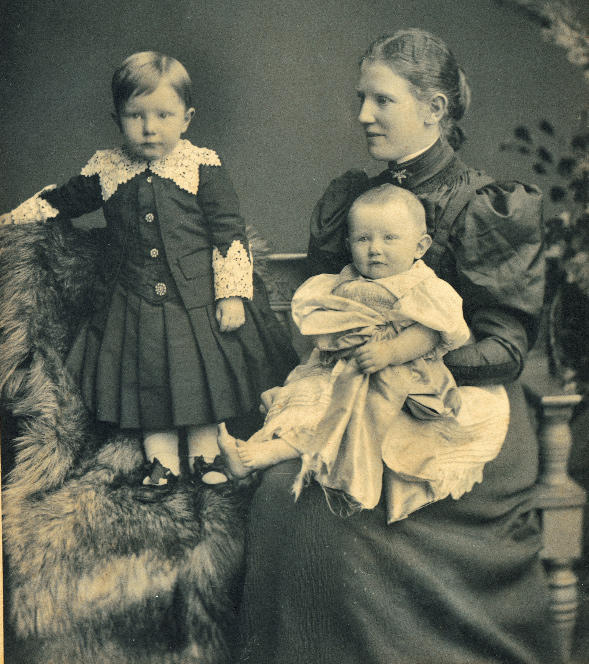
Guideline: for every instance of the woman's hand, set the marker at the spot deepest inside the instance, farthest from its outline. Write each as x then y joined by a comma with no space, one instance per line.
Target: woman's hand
230,314
6,219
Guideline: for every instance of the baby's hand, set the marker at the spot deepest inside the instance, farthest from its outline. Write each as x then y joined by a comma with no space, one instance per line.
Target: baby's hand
373,356
6,219
230,314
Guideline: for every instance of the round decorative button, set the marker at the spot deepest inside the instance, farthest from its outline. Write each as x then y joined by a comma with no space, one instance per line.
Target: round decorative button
160,289
154,253
149,217
149,179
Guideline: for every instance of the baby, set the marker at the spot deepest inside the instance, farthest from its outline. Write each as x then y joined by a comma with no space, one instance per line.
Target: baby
375,403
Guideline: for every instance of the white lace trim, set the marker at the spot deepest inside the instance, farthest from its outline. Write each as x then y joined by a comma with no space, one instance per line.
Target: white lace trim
34,209
115,167
233,273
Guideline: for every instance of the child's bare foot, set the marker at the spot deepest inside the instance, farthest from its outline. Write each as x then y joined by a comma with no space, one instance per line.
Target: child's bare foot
228,446
257,456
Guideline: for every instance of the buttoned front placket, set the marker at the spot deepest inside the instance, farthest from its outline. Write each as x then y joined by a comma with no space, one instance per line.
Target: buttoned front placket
157,283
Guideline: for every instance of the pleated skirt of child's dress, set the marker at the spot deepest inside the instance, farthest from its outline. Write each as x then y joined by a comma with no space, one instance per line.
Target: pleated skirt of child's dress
155,366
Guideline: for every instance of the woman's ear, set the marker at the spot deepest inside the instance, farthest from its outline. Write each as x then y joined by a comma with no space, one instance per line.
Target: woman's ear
438,106
425,242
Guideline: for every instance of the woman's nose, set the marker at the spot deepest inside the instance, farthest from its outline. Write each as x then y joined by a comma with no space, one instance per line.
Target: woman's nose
366,116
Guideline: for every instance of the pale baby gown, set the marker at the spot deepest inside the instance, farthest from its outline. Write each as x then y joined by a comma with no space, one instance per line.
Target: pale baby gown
408,426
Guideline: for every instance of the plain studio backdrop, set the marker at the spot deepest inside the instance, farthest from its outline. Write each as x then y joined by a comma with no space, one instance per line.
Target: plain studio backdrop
274,89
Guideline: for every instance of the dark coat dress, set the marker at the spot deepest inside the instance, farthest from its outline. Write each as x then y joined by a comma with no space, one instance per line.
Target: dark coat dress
152,355
459,581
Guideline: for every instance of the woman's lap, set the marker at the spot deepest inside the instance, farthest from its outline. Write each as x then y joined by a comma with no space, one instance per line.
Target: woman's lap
457,581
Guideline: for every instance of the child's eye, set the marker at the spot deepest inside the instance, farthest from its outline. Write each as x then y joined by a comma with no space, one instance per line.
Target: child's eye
362,238
164,115
390,237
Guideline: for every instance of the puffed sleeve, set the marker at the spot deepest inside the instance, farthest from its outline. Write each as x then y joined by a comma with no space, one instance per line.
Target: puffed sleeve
497,246
327,249
80,195
232,263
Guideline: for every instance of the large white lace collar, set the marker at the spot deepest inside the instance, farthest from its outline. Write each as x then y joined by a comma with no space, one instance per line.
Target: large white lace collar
115,167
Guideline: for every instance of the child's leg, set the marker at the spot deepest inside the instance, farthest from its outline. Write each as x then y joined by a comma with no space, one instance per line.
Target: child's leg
163,446
243,457
202,442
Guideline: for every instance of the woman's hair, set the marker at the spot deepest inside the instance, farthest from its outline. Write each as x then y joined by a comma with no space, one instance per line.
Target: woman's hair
428,65
142,72
390,194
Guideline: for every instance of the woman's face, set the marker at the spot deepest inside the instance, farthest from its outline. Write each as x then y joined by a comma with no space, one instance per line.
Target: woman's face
395,122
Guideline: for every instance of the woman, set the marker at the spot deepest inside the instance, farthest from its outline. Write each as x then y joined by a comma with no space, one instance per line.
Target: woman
460,580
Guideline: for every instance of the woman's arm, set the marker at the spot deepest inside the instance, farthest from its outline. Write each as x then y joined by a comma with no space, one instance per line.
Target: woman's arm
411,343
497,247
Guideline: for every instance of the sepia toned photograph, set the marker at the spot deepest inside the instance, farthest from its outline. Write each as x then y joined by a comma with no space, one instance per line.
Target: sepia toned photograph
294,331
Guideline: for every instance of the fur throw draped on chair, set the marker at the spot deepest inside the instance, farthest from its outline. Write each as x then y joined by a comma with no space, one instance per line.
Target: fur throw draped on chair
91,574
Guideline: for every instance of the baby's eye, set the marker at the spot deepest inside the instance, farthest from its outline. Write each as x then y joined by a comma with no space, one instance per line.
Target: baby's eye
390,237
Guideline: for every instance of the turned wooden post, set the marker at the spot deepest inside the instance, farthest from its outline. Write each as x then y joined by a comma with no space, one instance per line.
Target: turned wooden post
559,498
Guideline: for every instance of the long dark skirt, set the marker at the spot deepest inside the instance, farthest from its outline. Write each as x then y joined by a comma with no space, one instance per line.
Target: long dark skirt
458,582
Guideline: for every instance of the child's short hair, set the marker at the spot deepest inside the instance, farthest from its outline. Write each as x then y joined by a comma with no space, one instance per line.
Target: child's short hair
142,72
389,193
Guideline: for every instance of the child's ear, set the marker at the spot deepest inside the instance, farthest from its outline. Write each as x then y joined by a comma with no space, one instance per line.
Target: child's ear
115,117
348,244
188,117
425,242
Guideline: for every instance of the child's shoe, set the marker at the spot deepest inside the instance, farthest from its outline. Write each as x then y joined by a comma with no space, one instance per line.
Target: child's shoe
159,482
210,472
158,475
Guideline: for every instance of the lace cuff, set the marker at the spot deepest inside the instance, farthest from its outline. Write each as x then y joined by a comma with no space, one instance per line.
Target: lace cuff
34,209
233,273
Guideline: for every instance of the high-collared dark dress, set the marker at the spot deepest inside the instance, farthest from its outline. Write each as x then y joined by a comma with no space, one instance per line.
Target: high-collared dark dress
459,581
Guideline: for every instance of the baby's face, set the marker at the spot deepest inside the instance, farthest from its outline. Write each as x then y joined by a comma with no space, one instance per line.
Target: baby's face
152,123
384,239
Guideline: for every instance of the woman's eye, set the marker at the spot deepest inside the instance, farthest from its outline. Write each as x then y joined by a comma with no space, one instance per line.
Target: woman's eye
381,100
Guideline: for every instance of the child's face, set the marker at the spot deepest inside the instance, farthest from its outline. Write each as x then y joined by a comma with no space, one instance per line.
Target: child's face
152,123
384,239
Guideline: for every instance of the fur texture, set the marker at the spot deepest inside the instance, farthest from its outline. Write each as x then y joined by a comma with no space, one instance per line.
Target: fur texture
92,574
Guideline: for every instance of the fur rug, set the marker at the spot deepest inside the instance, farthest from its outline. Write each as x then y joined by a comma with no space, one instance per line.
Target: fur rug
91,574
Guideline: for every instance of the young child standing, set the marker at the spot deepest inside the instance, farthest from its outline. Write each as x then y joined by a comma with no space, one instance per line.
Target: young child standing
181,342
370,406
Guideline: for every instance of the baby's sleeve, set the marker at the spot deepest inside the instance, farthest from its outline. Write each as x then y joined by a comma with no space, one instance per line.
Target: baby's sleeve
436,305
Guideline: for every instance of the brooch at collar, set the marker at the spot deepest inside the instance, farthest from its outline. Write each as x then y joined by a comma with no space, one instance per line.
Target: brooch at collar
400,175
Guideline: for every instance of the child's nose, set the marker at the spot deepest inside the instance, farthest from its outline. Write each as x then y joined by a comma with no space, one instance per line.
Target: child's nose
148,125
375,247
